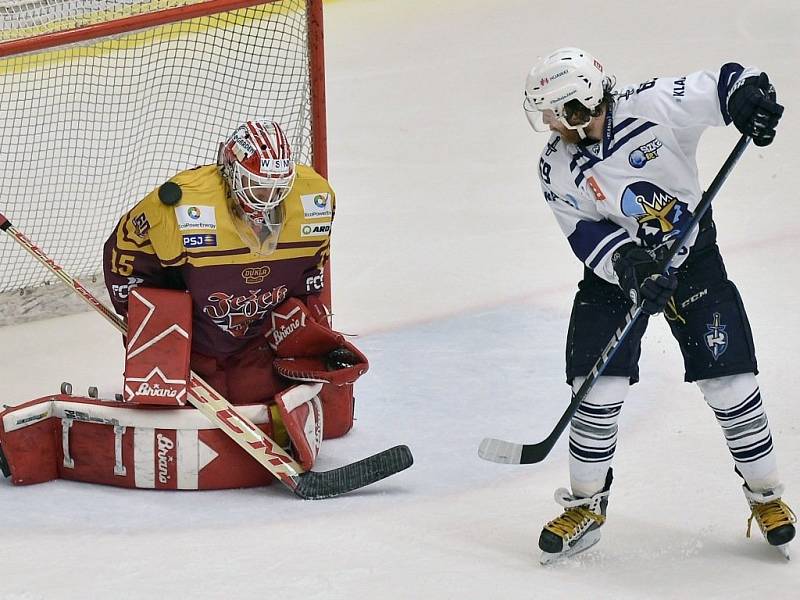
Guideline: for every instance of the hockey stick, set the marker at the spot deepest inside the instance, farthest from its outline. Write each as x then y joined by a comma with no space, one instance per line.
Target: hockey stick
309,485
501,451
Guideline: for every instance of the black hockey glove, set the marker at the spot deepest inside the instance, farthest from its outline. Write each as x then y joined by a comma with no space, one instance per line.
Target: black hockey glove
754,110
641,279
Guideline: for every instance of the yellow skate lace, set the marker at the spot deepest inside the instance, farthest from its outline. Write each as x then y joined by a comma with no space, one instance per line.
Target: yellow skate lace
565,525
770,515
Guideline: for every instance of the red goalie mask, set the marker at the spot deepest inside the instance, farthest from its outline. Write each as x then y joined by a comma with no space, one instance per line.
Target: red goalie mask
257,163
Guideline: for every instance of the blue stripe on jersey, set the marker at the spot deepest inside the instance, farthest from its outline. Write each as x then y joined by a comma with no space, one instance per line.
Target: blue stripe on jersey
640,129
728,75
608,247
592,160
623,124
589,234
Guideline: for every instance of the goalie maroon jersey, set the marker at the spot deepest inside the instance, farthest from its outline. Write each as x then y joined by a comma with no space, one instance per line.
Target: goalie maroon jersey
185,235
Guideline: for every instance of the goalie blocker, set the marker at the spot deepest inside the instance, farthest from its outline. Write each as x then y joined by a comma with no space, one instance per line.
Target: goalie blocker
143,443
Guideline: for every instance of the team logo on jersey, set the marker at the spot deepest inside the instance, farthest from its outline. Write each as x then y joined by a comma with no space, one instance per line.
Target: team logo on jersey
235,314
716,337
199,240
315,229
141,225
644,153
196,217
317,205
660,214
253,275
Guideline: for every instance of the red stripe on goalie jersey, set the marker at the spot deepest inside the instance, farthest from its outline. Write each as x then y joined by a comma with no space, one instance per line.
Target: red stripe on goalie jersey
166,459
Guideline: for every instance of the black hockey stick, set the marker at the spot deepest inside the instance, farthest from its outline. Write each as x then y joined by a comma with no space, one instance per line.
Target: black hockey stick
309,485
501,451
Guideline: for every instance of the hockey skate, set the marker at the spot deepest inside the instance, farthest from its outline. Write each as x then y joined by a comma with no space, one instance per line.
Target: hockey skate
775,519
578,528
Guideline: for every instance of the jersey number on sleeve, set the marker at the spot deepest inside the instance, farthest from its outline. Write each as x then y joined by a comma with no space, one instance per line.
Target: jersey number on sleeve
544,170
121,264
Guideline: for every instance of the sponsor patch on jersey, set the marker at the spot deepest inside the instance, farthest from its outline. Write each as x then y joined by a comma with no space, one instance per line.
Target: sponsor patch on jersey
315,283
317,205
315,229
645,153
199,240
253,275
196,217
596,190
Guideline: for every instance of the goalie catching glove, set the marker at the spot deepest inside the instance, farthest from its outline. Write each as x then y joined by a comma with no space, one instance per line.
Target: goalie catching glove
306,350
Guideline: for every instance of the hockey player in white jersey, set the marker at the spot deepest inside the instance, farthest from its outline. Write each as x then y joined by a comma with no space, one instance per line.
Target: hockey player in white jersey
620,175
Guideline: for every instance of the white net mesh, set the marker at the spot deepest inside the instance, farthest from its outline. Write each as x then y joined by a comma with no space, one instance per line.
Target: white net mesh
90,128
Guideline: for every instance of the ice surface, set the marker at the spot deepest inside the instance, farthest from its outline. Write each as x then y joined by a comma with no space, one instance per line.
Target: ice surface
449,265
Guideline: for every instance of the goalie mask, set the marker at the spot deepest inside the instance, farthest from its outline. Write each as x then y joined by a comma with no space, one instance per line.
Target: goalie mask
256,161
568,85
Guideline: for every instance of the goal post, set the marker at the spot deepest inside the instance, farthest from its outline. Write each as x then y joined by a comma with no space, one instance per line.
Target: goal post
103,100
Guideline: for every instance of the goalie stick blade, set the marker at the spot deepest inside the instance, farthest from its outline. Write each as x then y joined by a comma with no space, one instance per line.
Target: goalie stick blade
316,485
511,453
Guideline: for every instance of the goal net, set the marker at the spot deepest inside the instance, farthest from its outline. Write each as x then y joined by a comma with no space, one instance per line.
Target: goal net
103,100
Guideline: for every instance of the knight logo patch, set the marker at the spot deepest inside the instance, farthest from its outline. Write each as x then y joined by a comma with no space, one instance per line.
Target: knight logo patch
661,215
716,337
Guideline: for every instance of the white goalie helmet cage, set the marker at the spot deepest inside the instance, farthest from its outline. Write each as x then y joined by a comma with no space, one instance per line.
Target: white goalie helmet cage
564,75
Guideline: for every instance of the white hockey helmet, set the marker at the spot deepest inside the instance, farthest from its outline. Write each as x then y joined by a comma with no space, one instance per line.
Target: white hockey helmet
566,74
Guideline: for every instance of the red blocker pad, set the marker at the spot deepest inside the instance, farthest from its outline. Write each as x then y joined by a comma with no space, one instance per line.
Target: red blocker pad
159,346
301,411
112,443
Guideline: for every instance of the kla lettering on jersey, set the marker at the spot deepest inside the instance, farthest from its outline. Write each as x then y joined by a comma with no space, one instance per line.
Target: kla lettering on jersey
315,229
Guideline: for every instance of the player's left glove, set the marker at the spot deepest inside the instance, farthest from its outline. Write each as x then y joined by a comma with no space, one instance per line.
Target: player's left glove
754,110
306,350
641,279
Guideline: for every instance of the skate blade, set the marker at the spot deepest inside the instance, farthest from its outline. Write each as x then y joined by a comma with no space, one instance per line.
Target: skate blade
784,550
586,542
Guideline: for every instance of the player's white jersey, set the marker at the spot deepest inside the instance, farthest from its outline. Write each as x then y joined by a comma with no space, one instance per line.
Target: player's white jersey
640,183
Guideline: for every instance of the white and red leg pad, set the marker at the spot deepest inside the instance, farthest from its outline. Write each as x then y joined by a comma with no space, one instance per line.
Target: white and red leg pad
129,446
159,346
301,411
338,405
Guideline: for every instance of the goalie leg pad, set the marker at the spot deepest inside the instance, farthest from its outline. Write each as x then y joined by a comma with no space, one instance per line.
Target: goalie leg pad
338,405
301,412
158,347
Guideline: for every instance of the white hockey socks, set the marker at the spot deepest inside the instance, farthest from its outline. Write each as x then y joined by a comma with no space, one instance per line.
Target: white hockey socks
593,434
736,402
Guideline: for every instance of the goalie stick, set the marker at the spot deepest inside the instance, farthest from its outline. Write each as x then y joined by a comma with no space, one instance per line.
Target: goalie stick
309,485
501,451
